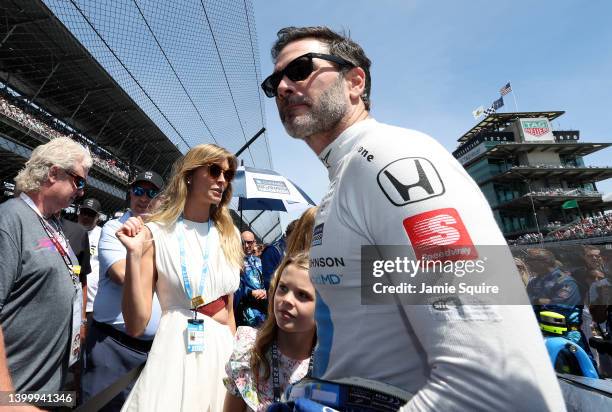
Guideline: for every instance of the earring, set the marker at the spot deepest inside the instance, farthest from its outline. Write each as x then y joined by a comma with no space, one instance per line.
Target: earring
188,181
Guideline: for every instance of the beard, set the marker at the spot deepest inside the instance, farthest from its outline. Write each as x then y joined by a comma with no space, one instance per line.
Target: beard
323,115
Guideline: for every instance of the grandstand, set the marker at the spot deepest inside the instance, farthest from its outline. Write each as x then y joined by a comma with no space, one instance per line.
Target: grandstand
535,178
123,79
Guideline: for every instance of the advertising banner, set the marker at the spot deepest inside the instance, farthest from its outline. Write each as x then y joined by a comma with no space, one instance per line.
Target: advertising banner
536,130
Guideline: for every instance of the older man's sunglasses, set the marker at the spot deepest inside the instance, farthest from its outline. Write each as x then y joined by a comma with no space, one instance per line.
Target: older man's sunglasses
299,69
214,171
79,181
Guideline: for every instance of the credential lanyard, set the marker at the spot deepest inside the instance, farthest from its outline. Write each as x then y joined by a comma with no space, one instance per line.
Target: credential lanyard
276,388
181,241
64,250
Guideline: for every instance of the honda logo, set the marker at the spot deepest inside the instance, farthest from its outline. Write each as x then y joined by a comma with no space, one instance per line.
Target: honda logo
410,180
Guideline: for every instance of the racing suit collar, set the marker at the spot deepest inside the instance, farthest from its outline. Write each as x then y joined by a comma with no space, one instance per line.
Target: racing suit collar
332,155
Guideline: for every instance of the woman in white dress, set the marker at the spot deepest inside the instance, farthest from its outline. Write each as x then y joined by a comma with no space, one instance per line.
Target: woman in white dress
189,252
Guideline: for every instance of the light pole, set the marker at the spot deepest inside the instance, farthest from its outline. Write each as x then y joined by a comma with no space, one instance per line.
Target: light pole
535,215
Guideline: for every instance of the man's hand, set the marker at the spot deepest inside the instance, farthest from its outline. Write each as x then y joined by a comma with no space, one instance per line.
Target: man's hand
259,294
132,235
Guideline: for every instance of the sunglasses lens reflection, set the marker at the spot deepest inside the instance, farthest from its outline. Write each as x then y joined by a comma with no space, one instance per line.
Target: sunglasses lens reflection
297,70
214,170
139,191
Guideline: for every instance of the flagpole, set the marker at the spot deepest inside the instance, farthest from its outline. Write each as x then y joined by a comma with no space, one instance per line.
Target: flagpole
514,98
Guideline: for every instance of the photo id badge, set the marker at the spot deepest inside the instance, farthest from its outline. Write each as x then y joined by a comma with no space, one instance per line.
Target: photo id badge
77,321
195,335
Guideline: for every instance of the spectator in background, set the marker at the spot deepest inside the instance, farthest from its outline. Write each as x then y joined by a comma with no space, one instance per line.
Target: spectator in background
553,289
109,351
40,292
258,250
89,213
273,254
593,263
77,237
600,300
523,270
250,300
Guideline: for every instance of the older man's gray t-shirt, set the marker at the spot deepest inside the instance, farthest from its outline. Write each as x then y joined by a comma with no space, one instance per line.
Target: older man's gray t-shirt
36,295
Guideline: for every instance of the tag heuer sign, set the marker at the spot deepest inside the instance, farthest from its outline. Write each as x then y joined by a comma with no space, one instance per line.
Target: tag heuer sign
537,129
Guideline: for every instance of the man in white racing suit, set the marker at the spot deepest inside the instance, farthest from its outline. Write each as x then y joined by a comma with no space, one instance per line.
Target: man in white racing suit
393,186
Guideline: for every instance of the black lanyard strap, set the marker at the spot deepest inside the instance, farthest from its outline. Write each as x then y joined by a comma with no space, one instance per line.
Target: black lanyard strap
276,371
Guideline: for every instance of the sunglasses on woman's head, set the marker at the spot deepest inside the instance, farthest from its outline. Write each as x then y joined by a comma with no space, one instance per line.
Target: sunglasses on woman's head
298,69
140,191
214,171
79,181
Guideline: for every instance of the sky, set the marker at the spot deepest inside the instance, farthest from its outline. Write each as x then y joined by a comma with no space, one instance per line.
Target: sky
433,62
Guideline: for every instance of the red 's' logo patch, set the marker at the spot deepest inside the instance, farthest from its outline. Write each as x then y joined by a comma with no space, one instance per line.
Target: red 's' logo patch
440,235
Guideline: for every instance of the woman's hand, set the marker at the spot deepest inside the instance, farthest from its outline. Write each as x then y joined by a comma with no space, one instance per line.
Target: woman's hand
132,235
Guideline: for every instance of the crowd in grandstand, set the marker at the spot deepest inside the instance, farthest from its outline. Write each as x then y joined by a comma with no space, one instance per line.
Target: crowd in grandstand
20,115
556,166
564,192
588,227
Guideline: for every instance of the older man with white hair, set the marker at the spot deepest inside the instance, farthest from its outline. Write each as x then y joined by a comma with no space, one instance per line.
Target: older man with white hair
40,294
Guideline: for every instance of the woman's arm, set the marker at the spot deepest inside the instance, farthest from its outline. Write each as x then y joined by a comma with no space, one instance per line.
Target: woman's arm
231,321
233,403
140,275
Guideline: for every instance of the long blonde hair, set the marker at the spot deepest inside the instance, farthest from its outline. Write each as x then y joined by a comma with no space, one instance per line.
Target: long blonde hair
175,194
269,329
301,235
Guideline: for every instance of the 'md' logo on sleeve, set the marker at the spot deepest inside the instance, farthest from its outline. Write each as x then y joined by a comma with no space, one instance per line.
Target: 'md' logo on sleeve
536,130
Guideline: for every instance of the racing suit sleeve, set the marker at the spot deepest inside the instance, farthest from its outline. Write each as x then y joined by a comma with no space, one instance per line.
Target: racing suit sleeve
484,358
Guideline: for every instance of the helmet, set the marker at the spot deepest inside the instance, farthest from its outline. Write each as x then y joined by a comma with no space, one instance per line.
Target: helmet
553,322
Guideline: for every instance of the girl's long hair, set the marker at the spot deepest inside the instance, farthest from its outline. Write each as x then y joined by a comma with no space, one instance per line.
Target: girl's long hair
174,197
301,235
267,333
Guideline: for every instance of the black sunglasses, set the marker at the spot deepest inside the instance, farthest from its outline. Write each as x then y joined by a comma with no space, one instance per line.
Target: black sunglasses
79,181
298,69
214,171
139,191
